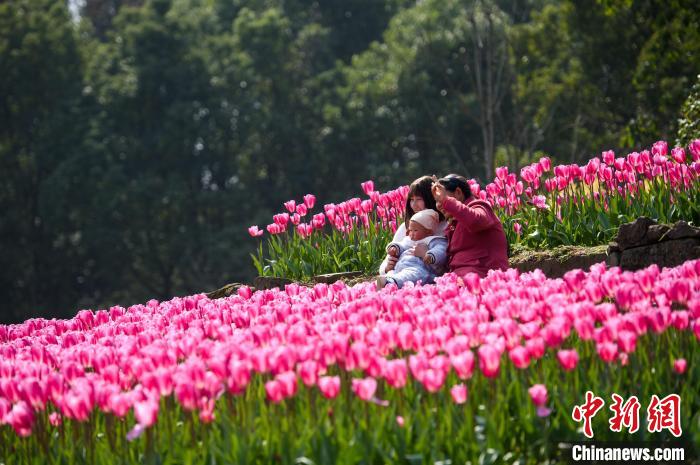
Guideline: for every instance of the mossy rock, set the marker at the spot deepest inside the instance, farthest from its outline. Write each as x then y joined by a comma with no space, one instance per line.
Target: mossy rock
557,261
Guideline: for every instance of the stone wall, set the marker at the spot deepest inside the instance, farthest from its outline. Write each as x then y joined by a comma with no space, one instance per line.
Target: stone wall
644,241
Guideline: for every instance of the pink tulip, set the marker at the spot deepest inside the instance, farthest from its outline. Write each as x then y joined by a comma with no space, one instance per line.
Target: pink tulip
290,205
364,388
540,201
274,390
329,386
254,231
660,148
489,361
694,148
627,340
607,351
274,229
302,210
368,187
288,383
538,394
535,347
680,365
308,371
21,418
309,201
400,421
396,373
520,357
463,364
55,419
678,154
35,393
146,412
459,393
696,329
568,359
433,379
517,228
608,157
245,292
5,407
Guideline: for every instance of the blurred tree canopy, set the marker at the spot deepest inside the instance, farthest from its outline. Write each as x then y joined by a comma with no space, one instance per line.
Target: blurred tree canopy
140,138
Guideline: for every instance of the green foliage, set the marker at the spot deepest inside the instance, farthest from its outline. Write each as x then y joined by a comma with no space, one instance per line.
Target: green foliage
40,127
689,123
293,257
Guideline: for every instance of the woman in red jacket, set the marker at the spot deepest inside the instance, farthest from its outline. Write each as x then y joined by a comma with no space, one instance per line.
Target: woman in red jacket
476,240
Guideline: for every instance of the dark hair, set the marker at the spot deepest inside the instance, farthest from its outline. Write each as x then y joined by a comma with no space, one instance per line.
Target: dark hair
421,187
453,181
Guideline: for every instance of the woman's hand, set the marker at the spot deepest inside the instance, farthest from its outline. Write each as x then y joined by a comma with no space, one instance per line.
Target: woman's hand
420,250
439,192
390,263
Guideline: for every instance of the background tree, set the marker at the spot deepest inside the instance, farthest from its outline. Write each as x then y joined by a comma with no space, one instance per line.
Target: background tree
139,139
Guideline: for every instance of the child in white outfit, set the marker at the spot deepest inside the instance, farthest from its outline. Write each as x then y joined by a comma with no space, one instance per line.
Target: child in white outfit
410,267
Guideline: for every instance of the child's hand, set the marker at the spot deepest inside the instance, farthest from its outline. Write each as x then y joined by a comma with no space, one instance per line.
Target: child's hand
420,250
392,251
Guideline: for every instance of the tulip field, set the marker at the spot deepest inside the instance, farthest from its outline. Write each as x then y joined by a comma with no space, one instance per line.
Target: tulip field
480,371
475,371
543,207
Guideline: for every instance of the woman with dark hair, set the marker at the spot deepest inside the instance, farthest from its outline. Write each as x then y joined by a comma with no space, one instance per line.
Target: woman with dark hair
419,198
476,242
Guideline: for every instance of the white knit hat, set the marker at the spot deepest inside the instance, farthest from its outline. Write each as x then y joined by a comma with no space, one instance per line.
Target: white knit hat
428,218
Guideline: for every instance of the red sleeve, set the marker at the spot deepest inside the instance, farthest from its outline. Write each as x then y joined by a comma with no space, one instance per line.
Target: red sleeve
476,216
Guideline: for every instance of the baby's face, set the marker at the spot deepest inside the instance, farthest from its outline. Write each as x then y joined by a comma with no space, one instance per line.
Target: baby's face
417,231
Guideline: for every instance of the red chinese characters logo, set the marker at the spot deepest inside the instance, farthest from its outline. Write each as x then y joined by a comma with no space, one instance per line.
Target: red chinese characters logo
626,414
661,413
587,411
665,414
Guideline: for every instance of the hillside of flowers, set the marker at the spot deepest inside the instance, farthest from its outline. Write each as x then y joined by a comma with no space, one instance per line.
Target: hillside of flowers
542,207
487,370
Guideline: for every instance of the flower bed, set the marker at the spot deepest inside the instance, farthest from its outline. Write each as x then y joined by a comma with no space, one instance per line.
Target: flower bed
334,374
544,207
